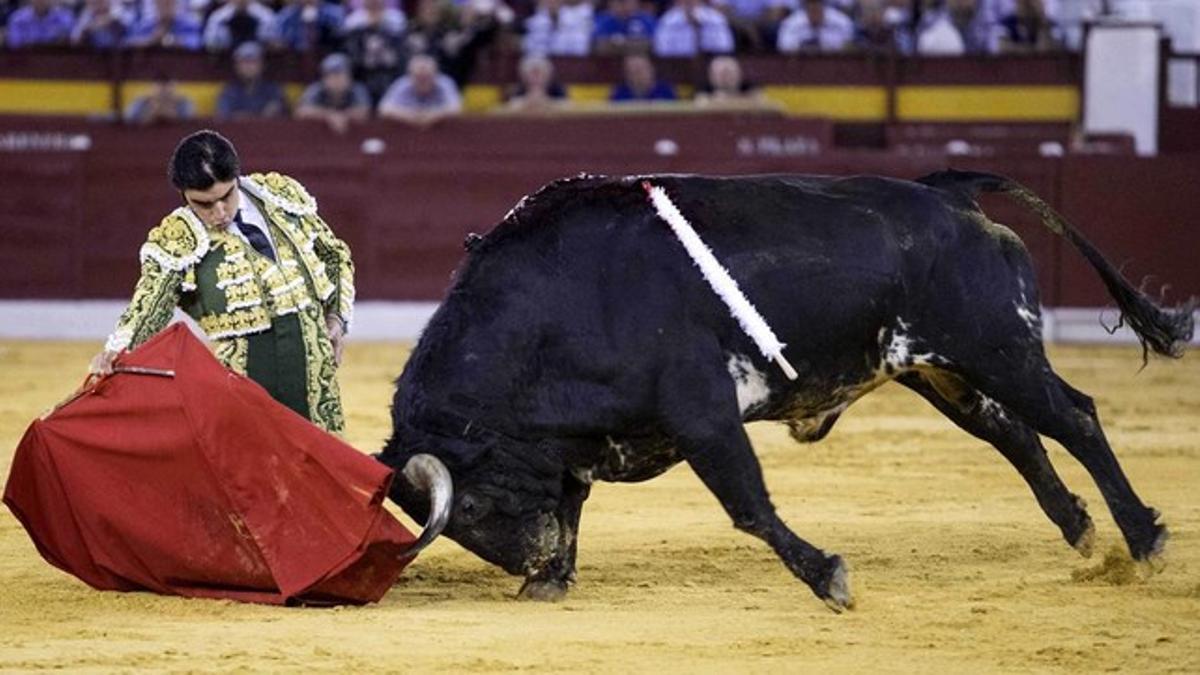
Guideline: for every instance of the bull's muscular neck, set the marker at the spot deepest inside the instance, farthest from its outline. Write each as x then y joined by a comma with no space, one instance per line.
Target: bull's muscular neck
455,384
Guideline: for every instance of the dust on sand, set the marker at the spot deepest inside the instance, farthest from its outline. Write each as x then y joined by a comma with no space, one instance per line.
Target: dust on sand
953,566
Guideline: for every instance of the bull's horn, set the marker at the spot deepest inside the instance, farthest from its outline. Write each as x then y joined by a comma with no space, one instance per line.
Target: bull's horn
427,474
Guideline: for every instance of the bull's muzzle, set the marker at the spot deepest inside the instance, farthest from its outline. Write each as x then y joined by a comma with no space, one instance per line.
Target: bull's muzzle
426,474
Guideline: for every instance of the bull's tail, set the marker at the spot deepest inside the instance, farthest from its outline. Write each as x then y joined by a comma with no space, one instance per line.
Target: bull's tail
1167,331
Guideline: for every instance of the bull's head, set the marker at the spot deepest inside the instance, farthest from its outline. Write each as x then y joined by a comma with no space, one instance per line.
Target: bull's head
506,505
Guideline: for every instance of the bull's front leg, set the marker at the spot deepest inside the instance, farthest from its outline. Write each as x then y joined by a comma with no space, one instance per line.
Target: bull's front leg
550,581
703,417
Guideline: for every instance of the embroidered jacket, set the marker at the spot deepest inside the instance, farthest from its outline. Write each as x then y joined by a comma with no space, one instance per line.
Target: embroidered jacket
230,289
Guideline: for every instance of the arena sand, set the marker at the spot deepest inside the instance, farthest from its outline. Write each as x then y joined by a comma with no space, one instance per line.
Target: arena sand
954,567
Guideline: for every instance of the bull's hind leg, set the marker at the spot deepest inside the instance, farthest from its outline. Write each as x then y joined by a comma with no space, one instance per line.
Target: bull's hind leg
987,420
701,414
1029,388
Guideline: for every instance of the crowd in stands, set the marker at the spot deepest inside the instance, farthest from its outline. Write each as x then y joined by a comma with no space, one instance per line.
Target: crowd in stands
408,59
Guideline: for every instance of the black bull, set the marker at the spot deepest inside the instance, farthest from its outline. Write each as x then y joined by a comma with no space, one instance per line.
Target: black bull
579,343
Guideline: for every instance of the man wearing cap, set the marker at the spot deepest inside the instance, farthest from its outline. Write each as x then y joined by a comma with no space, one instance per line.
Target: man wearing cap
250,260
336,98
248,94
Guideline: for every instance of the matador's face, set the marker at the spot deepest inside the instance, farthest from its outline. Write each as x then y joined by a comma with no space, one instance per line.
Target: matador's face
216,206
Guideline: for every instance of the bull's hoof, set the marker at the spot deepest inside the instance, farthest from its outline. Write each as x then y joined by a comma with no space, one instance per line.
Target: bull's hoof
543,590
1086,542
837,595
1154,560
1150,549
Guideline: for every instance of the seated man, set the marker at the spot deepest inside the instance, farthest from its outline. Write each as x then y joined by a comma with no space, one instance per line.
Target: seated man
336,98
877,33
309,25
641,83
375,44
40,22
755,22
623,28
690,28
726,84
239,21
249,95
538,92
559,28
1028,28
423,97
100,26
167,26
161,106
815,27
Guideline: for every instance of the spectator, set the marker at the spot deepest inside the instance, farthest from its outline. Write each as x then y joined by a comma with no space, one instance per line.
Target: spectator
979,35
454,34
559,28
100,26
310,25
755,22
624,27
726,84
166,26
937,34
537,92
162,105
379,15
641,84
239,21
1028,29
40,22
691,27
815,27
375,45
876,33
336,98
423,97
249,95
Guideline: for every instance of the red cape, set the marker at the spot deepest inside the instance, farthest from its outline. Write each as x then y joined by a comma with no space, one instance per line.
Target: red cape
202,485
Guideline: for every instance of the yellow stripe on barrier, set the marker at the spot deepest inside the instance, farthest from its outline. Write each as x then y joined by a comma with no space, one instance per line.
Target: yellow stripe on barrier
481,97
855,103
960,103
849,103
55,97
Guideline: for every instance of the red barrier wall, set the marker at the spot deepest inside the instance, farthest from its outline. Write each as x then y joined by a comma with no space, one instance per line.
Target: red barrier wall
73,218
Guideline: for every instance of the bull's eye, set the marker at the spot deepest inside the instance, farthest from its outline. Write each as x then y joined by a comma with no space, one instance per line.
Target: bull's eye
471,507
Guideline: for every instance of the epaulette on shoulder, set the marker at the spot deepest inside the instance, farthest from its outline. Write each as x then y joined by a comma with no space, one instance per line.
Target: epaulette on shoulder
179,241
280,191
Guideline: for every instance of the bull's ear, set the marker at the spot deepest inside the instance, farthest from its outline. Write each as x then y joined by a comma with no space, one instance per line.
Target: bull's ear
425,480
472,241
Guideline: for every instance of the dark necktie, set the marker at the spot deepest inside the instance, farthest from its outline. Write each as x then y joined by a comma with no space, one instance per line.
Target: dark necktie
255,236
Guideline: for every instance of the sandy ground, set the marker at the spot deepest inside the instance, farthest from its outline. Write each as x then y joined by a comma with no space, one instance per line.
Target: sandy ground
954,567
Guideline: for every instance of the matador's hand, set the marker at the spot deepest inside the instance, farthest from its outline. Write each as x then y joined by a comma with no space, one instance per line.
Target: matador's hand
102,363
337,335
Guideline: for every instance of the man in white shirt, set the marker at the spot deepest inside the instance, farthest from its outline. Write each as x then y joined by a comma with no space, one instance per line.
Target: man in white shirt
691,27
815,27
559,28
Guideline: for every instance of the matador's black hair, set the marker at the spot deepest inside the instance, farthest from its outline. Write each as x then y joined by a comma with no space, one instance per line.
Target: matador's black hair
202,159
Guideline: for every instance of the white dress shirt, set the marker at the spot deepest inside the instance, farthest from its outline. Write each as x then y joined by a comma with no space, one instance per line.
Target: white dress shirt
677,36
797,32
252,216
